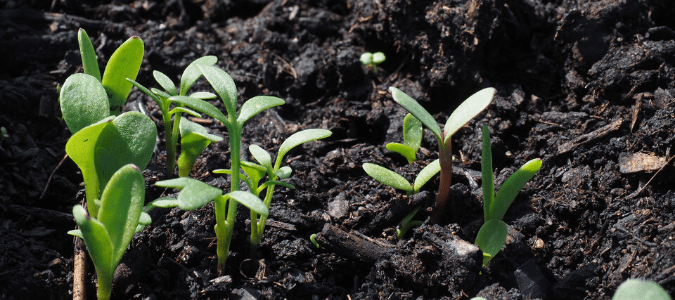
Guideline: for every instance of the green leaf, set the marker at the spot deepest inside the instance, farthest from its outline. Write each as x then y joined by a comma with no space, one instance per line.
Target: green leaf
488,180
145,219
249,200
147,92
224,86
409,217
366,58
387,177
194,139
176,183
299,138
633,289
262,156
254,171
491,238
197,194
184,110
425,175
203,95
121,205
466,111
255,105
200,106
83,101
124,63
378,57
165,82
160,93
418,111
75,232
88,54
276,182
191,73
412,132
508,191
164,202
284,172
98,242
409,153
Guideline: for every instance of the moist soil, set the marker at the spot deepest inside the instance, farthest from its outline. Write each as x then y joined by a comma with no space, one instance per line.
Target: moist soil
586,86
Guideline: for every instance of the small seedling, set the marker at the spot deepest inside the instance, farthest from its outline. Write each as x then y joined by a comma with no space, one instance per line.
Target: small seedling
393,179
253,173
369,59
3,134
312,238
412,138
492,235
462,115
637,289
108,235
407,224
171,131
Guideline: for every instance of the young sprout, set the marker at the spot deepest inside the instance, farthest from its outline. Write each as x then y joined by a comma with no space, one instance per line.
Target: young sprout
253,173
193,140
393,179
492,235
312,238
633,289
462,115
412,138
407,224
3,134
171,131
370,59
108,235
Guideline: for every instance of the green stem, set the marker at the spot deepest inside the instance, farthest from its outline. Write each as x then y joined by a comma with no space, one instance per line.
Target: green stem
445,159
104,289
257,230
225,238
170,143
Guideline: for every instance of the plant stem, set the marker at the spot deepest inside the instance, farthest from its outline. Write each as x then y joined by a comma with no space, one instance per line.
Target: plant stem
170,143
445,159
258,226
174,141
225,230
104,289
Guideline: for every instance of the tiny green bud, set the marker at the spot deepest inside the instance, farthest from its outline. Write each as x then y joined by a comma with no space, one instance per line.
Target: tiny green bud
378,58
366,59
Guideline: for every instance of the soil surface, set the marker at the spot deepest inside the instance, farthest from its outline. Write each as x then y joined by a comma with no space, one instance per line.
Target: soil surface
587,86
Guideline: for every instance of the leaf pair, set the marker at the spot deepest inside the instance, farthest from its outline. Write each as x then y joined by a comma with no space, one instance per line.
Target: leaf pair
393,179
492,235
412,139
108,236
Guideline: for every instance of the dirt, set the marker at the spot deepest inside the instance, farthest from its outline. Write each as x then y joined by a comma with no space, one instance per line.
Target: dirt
587,86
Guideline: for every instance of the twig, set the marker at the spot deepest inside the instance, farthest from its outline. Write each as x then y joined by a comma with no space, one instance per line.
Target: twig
650,179
49,181
79,271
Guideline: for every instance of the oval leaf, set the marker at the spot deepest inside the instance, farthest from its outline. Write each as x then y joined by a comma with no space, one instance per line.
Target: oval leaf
197,194
191,73
491,238
417,110
298,138
176,183
88,54
224,86
409,153
203,95
164,202
124,63
284,172
255,105
426,174
262,156
83,101
633,289
251,201
387,177
466,111
510,188
412,132
165,82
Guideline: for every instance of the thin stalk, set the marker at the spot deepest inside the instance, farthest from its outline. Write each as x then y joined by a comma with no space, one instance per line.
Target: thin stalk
258,226
445,159
170,143
104,289
225,238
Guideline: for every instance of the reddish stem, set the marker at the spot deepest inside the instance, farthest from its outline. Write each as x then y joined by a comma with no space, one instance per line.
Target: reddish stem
445,159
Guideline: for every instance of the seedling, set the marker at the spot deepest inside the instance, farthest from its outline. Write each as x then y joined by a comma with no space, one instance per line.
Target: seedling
3,134
108,235
255,172
462,115
407,224
634,289
369,59
492,235
412,138
393,179
312,238
194,139
171,131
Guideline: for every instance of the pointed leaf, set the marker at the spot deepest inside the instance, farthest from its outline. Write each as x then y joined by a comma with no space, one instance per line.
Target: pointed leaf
124,63
184,110
488,180
299,138
249,200
121,206
255,105
491,238
426,174
412,132
466,111
164,202
262,156
176,183
203,95
165,82
147,92
191,73
88,54
409,153
409,217
160,93
75,232
417,110
510,188
200,106
387,177
96,239
275,183
224,86
83,101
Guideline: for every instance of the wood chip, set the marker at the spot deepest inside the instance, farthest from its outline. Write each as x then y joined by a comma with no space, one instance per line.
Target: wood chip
640,162
585,138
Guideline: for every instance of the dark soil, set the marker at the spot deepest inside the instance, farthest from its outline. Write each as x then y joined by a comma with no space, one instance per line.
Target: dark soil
587,86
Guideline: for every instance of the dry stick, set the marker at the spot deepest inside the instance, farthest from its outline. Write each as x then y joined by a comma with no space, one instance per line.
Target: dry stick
633,195
49,181
79,270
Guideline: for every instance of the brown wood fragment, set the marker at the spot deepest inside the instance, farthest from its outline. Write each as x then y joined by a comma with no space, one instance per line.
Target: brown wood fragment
79,271
585,138
640,162
636,111
353,244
